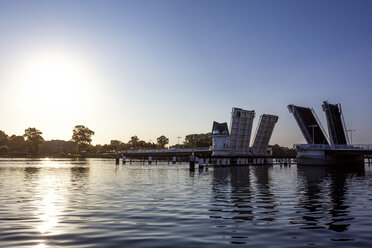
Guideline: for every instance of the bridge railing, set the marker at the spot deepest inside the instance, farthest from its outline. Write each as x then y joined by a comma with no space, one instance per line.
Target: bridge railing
172,150
334,147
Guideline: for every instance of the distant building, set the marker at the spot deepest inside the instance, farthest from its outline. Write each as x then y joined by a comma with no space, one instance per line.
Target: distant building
220,139
58,146
240,130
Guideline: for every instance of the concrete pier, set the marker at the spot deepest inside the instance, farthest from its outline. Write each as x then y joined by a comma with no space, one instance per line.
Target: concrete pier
150,160
192,163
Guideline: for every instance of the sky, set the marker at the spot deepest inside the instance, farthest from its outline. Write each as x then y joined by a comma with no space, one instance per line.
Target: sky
152,68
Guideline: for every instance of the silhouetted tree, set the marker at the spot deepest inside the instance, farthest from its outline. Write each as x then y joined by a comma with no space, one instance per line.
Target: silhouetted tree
4,139
162,141
82,136
17,143
281,151
117,145
57,147
133,142
198,140
34,140
4,150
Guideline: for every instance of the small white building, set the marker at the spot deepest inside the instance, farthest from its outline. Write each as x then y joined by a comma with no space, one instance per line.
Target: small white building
220,139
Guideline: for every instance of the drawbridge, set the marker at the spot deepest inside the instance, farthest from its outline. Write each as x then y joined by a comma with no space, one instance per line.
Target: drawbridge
318,151
335,123
309,124
263,134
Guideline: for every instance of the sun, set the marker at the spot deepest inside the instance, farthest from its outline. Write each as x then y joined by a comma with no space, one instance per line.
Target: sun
54,79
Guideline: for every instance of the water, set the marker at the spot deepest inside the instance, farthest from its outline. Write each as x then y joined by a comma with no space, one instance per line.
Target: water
93,203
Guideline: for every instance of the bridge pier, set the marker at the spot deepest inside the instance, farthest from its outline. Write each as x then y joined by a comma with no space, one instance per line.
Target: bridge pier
192,163
201,162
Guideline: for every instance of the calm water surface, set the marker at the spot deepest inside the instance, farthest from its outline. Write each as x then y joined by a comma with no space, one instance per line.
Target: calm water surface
93,203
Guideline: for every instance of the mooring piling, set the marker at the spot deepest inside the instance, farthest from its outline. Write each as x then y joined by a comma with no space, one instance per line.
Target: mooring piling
192,163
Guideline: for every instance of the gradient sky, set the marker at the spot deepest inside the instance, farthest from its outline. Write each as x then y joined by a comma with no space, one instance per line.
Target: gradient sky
149,68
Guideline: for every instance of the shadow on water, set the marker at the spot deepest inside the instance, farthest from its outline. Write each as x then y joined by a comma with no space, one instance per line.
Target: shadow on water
322,190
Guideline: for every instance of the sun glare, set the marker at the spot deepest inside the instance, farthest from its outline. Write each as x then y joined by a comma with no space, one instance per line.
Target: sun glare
54,79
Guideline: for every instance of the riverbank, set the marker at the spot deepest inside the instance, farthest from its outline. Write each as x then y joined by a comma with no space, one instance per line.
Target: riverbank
61,155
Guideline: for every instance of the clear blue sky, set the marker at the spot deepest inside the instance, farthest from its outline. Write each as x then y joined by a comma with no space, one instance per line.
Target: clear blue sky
149,68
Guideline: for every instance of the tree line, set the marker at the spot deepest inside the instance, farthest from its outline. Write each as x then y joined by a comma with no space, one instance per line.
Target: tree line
32,144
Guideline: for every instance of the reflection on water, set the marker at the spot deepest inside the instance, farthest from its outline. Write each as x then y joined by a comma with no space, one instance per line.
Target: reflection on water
323,203
92,203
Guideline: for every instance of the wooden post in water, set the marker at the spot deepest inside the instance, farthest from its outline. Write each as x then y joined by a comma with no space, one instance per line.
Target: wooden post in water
150,160
201,162
192,163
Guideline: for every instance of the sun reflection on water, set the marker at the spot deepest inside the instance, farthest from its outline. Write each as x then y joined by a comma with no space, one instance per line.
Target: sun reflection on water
52,190
42,245
50,214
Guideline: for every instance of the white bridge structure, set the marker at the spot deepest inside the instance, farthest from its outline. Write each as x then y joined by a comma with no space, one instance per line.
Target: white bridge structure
236,141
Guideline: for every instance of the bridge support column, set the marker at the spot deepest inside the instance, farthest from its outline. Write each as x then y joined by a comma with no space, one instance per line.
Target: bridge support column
201,162
192,163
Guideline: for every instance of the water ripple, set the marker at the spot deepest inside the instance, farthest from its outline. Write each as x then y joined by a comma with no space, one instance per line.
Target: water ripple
90,203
